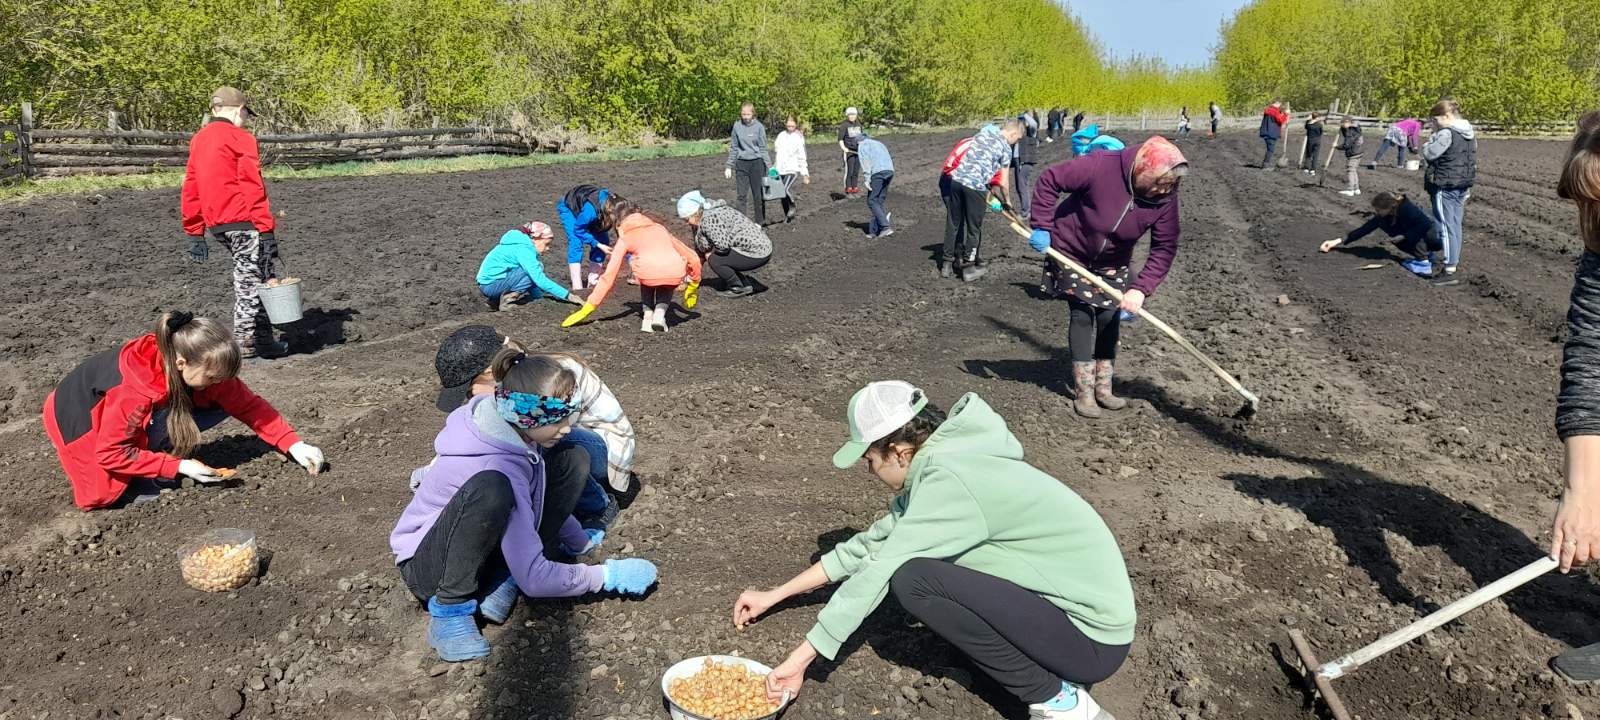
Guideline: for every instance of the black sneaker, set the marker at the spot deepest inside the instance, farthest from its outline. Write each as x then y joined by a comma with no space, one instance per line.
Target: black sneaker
971,274
605,517
264,350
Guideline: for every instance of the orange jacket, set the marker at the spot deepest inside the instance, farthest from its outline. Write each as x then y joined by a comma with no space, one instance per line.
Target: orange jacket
659,259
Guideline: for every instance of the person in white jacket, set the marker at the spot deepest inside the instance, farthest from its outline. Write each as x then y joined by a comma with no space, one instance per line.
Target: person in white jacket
791,161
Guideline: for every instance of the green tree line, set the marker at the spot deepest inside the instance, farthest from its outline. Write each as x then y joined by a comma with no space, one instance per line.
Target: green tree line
1507,61
611,67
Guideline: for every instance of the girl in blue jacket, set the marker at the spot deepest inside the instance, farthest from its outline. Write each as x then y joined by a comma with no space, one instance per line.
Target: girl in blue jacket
588,233
512,271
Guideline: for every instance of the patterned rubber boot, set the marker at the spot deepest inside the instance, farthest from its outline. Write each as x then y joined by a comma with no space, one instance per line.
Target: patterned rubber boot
1083,401
1103,370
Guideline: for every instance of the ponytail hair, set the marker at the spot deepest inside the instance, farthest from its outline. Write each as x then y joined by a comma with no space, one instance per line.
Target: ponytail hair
201,342
534,374
1580,177
1386,203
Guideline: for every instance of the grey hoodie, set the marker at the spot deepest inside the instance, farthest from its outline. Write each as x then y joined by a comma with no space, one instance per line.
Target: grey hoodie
1439,141
748,142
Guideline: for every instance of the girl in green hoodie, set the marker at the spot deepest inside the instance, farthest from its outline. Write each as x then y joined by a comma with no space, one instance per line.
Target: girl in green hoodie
997,557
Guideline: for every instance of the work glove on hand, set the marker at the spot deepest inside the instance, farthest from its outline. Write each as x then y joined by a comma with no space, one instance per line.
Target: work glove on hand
727,173
578,316
309,457
630,576
198,250
994,205
596,537
691,294
199,471
1039,240
772,173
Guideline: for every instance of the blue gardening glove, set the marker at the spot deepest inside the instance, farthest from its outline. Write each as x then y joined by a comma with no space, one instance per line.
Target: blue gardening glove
198,250
772,173
595,538
1039,240
630,576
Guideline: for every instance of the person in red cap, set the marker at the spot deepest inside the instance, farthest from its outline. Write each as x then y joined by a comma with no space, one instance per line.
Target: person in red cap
225,199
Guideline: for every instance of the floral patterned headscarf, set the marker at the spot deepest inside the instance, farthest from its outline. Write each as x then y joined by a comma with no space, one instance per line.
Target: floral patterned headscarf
530,410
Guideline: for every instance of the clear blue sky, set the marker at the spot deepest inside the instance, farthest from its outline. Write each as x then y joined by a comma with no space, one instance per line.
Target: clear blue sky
1178,31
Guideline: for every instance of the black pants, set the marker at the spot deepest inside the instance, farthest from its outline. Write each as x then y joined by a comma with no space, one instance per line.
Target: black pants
1022,177
460,559
1266,160
963,225
1093,332
1414,246
1018,638
732,267
852,171
1309,162
747,178
652,295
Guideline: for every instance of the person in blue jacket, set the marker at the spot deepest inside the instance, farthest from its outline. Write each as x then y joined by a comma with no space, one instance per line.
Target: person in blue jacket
512,270
587,231
1089,140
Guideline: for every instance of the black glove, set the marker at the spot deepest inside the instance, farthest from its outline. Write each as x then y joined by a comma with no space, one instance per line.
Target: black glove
269,246
198,250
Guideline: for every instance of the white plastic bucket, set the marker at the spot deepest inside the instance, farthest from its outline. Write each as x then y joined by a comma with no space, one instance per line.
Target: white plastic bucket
693,665
281,301
1413,165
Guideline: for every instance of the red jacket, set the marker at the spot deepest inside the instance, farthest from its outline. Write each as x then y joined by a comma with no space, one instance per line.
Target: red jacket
222,183
97,419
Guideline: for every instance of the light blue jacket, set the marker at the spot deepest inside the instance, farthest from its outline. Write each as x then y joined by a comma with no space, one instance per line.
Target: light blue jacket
874,157
516,251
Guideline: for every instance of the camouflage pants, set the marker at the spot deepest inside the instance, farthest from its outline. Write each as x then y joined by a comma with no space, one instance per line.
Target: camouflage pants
251,267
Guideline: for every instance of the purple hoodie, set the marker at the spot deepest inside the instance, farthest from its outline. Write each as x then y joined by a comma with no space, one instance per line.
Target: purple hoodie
1412,127
475,439
1100,222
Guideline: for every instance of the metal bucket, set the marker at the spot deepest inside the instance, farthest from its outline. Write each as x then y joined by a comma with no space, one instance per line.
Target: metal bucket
281,301
1413,165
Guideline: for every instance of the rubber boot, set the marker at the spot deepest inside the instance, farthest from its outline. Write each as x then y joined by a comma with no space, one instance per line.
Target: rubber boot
453,631
659,319
498,605
1579,665
1083,390
946,269
1103,370
647,314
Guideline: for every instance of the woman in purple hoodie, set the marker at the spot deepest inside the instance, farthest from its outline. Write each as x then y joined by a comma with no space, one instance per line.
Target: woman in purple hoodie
484,525
1113,198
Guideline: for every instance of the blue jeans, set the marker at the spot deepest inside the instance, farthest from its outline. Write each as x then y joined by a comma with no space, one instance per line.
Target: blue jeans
1400,153
515,280
156,431
879,191
1448,208
593,500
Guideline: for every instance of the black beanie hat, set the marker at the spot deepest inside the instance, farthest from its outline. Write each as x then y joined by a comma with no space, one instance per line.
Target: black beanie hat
462,357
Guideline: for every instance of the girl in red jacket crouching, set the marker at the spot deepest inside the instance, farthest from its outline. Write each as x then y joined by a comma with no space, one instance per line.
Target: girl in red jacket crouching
126,419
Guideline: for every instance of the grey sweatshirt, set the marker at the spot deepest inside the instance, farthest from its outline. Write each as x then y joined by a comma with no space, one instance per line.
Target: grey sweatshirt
1578,402
748,142
1440,141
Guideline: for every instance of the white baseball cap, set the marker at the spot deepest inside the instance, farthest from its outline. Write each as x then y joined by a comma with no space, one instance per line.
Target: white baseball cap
851,111
875,411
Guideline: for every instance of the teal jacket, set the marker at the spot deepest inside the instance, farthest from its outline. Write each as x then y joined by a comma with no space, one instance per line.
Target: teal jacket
970,499
516,251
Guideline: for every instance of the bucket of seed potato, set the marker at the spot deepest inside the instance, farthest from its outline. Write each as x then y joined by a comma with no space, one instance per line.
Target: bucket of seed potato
219,560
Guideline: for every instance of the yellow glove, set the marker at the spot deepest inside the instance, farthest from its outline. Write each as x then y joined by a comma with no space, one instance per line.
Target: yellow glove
691,294
578,316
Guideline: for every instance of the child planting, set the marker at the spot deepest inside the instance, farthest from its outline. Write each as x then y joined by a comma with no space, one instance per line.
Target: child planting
1417,235
512,270
478,531
727,240
998,558
659,260
125,421
587,231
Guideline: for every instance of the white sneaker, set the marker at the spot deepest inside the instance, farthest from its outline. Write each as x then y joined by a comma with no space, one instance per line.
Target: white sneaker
1349,193
1072,703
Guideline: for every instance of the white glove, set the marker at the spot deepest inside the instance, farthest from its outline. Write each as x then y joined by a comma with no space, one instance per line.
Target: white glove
308,456
727,173
199,471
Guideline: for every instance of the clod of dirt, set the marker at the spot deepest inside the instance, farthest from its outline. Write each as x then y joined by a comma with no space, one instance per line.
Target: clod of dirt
228,701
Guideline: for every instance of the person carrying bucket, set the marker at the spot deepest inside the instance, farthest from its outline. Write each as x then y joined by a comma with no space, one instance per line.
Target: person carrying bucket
659,260
224,199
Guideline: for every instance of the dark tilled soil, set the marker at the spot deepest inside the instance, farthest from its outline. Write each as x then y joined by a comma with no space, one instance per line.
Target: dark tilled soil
1403,453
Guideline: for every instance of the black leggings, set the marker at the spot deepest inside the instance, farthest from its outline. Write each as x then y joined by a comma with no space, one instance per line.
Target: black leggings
963,225
1017,637
653,295
1432,241
732,266
460,559
1093,332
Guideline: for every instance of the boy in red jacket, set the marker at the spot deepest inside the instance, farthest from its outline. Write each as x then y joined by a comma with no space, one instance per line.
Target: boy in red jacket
224,198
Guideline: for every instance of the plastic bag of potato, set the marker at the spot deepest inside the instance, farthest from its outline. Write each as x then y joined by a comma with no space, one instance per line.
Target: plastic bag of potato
220,560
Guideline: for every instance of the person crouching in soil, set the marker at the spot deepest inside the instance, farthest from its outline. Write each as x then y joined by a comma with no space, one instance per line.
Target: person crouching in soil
729,242
512,270
599,450
125,421
486,518
659,260
1417,235
588,235
998,558
1113,199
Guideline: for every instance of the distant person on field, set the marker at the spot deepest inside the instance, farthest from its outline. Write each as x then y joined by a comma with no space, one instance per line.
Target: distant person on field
1350,141
1054,120
1575,529
989,153
1273,118
1416,233
588,236
1077,121
790,149
727,241
1183,122
1452,157
1402,135
747,161
225,199
878,168
512,271
849,139
1216,118
1025,161
1090,139
1308,163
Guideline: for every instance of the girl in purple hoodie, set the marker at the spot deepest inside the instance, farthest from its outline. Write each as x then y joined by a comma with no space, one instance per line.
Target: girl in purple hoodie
484,525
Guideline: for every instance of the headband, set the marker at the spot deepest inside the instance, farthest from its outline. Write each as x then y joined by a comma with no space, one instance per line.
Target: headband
530,410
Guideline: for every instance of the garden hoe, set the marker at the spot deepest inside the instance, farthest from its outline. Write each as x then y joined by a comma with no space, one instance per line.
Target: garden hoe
1251,401
1322,675
1322,179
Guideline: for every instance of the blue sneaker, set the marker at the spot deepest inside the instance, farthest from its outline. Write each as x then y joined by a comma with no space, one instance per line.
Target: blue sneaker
1418,267
498,605
1072,703
454,633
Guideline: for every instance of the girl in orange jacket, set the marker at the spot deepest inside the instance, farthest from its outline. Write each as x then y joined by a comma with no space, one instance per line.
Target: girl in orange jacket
660,261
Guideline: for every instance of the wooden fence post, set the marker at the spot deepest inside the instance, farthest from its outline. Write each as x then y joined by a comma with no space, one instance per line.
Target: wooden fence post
25,140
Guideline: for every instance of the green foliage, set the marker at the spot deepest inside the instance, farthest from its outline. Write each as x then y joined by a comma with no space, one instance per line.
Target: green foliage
613,67
1512,61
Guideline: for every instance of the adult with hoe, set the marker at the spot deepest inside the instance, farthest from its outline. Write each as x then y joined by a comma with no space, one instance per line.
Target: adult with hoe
1273,118
588,235
726,240
224,198
1452,157
1113,198
747,161
790,162
850,132
1003,561
1575,531
987,154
